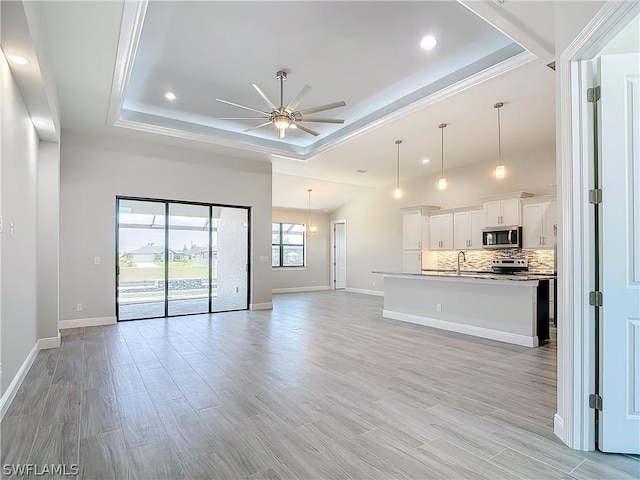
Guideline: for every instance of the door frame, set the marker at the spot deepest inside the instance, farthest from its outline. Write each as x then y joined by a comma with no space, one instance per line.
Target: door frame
332,256
183,202
574,422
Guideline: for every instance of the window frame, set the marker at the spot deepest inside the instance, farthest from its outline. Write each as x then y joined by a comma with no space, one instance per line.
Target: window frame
281,245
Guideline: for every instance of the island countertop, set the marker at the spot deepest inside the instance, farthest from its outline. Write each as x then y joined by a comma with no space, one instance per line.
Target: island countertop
470,274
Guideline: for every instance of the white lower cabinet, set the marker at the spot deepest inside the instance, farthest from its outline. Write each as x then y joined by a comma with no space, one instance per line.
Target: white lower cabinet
441,232
412,261
467,230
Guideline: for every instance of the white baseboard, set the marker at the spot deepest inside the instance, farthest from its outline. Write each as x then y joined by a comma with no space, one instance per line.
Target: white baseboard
86,322
558,427
50,342
506,337
313,288
261,306
13,387
377,293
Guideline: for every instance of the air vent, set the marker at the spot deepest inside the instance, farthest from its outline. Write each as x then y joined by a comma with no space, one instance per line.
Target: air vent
361,171
552,66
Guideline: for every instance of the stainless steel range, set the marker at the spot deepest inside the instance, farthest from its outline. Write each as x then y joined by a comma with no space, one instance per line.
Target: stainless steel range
509,265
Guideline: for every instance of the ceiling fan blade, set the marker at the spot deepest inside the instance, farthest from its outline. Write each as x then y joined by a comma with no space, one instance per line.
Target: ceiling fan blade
295,101
322,108
259,126
240,118
321,120
264,97
308,130
241,106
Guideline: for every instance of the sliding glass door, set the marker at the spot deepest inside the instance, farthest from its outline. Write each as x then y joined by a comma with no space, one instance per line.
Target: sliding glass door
179,258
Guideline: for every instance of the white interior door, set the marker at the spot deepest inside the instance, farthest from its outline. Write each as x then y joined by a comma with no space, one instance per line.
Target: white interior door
620,274
340,243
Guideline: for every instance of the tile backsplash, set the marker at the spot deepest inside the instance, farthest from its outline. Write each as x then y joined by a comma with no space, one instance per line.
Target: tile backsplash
540,261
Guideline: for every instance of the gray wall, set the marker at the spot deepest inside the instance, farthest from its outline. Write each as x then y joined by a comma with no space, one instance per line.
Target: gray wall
95,169
316,273
48,238
19,183
374,221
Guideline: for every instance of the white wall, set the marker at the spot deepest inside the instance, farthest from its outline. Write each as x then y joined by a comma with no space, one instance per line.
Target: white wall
374,221
48,238
95,169
316,273
19,176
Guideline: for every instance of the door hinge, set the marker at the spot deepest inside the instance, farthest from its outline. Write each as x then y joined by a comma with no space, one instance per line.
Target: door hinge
593,94
595,401
595,196
595,299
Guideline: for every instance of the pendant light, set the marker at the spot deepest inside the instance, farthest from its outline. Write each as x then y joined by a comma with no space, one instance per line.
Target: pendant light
311,230
500,170
442,182
397,193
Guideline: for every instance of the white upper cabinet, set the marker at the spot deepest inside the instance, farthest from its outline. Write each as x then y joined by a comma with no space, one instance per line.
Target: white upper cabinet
467,230
538,220
441,232
412,229
502,212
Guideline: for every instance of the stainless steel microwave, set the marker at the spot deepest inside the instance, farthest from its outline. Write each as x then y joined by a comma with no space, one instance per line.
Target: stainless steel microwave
502,237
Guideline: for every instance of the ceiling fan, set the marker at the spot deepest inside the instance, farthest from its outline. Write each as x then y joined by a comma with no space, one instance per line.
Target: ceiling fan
286,117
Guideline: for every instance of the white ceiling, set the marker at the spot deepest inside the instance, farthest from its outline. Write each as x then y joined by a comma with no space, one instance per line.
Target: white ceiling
365,53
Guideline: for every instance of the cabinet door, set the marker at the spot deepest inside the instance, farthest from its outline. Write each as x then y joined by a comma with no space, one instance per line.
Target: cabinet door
447,231
412,261
532,225
435,232
476,223
412,230
550,219
510,212
461,237
492,213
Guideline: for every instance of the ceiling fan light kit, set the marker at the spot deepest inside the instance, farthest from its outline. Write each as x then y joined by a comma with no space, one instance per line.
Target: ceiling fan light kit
284,117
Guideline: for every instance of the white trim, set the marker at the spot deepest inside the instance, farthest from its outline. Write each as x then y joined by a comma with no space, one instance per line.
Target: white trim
49,342
314,288
575,425
261,306
86,322
377,293
498,335
13,387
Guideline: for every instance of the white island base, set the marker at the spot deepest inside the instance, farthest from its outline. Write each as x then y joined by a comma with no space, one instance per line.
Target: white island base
511,311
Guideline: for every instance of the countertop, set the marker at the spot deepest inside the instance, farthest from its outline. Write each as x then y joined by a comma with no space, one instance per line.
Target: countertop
516,277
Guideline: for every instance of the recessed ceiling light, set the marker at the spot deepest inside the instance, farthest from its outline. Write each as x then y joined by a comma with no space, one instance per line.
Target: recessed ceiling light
425,161
18,60
428,42
170,96
361,171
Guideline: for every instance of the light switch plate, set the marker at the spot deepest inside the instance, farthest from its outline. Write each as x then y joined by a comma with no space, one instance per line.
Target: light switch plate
264,258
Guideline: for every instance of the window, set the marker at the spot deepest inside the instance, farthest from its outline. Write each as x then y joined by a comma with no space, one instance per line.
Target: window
287,245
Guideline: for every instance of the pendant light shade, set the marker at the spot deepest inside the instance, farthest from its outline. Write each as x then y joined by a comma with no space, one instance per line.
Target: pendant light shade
500,170
397,193
442,182
311,229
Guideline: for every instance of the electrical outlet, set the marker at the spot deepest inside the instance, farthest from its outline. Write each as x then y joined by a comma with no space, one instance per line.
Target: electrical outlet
313,280
438,307
79,307
373,283
96,260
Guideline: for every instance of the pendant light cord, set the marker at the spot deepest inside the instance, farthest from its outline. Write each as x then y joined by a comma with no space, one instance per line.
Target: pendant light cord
441,126
398,168
499,138
309,212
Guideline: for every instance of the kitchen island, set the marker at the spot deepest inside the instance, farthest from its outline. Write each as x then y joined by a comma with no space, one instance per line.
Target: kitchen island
507,308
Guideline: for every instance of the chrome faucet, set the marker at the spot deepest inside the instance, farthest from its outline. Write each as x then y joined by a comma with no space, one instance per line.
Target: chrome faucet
464,259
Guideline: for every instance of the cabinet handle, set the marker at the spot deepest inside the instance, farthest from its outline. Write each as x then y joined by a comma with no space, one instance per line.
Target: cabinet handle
419,246
540,240
498,218
543,240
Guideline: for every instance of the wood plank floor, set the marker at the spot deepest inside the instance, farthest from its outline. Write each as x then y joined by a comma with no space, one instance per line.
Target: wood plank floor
320,387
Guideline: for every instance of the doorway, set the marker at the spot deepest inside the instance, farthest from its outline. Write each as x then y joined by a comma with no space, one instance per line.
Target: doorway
180,258
339,254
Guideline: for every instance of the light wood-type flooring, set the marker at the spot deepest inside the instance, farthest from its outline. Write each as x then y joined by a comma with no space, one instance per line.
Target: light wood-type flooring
320,387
